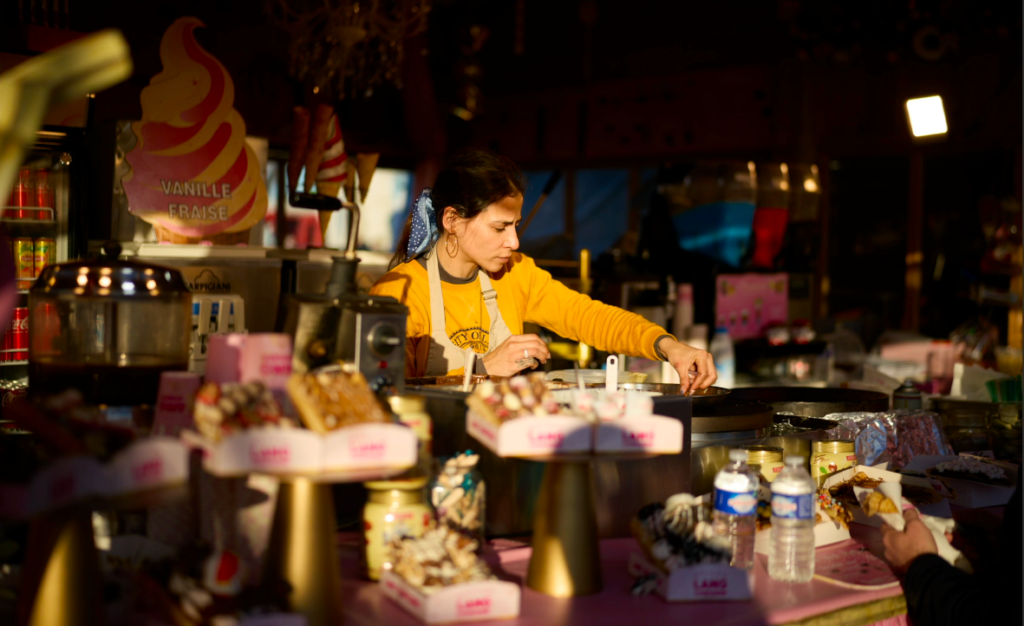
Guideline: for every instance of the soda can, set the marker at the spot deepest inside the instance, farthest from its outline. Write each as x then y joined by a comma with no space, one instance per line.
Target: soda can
24,261
24,194
45,254
44,195
19,334
6,355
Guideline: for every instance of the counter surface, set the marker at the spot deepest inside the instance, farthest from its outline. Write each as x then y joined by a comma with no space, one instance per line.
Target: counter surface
773,603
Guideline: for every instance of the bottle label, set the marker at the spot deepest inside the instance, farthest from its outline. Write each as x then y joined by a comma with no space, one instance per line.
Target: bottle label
793,507
732,503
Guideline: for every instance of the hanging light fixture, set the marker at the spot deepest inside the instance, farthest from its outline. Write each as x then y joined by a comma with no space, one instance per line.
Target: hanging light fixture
352,45
927,117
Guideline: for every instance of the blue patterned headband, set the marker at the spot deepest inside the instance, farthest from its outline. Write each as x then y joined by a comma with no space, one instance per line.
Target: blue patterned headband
424,227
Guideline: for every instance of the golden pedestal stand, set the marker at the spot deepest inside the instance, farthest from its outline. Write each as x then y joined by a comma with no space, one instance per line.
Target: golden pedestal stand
62,584
566,561
301,552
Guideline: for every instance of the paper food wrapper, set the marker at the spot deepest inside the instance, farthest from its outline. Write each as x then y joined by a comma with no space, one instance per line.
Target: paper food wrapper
236,514
937,526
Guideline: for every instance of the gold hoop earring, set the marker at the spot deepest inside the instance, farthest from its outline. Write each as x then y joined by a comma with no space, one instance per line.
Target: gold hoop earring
447,247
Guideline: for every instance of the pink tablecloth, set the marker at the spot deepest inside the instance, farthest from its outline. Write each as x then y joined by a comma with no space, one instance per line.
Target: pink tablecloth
774,602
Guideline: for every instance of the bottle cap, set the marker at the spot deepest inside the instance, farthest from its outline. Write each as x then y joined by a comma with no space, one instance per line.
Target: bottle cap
737,454
794,460
722,329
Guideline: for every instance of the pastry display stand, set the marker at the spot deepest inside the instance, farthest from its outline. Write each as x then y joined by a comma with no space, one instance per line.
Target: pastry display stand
565,560
62,581
300,553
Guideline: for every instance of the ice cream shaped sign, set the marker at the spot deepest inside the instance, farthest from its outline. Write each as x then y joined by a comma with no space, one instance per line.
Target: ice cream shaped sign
192,174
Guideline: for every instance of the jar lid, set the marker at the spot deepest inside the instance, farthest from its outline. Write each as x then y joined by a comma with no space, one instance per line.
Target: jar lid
111,277
400,484
833,446
407,404
763,454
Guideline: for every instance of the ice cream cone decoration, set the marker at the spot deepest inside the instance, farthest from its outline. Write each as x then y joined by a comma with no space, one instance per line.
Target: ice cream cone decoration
193,176
333,170
366,165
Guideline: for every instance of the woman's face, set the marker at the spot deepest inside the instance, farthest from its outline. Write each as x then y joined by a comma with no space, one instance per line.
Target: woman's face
489,239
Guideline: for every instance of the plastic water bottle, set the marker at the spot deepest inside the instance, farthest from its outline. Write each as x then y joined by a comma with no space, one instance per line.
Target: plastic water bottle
736,507
724,357
791,556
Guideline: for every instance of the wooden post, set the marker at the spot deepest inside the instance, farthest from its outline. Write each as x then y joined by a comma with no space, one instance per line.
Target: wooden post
915,219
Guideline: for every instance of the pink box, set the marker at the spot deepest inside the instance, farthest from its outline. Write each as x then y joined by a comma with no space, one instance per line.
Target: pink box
652,434
243,358
467,602
532,436
696,583
746,304
174,403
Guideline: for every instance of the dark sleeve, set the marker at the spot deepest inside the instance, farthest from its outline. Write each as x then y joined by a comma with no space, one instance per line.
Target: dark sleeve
939,594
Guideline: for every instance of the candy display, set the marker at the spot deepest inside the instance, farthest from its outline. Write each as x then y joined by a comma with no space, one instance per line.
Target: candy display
440,558
458,495
221,409
330,400
969,468
678,534
518,396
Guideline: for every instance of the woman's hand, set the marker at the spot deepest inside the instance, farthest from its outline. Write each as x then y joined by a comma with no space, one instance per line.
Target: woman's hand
686,359
516,354
903,547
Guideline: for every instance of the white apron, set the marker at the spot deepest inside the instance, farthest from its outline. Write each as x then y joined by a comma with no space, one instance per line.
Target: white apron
443,356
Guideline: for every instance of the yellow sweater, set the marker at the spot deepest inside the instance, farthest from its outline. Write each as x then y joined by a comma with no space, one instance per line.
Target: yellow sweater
526,293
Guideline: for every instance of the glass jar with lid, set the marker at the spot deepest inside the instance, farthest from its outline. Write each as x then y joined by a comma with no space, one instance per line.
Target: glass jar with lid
831,456
394,508
459,494
767,458
108,328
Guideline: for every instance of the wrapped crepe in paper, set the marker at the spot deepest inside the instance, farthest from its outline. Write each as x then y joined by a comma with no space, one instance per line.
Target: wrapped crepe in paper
193,176
887,502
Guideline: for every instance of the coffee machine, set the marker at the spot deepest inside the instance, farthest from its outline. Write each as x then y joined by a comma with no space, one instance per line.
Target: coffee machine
344,325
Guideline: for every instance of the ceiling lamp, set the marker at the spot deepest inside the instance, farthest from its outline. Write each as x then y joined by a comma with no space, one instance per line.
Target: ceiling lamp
927,117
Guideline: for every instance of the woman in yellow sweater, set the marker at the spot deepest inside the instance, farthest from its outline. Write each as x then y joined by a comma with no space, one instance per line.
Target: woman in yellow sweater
467,223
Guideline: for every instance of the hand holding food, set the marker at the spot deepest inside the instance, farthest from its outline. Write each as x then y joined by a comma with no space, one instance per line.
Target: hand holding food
902,547
515,354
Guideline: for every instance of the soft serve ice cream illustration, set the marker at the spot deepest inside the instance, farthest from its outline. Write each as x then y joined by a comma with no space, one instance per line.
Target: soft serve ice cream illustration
192,175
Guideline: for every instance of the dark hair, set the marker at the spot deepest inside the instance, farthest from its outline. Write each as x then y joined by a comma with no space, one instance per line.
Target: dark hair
470,182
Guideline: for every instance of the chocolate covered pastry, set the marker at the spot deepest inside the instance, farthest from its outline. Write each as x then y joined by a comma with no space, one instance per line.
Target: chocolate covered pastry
518,396
968,468
222,409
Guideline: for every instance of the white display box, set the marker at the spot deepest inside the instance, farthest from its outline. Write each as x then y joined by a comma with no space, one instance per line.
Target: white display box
532,436
466,602
145,466
937,509
349,453
968,493
697,583
652,434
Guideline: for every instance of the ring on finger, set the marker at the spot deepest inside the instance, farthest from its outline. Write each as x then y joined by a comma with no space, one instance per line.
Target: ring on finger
526,353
